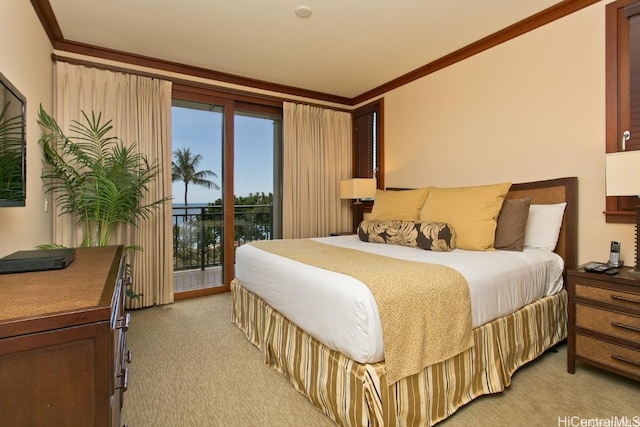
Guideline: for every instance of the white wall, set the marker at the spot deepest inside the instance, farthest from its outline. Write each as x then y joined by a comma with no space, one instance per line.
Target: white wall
530,109
25,59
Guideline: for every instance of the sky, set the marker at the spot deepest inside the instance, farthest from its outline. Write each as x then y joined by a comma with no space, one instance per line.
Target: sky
201,132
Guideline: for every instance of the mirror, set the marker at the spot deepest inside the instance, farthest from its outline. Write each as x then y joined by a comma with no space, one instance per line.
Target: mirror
12,145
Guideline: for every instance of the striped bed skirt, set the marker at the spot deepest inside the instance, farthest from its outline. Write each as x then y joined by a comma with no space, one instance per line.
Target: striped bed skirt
357,394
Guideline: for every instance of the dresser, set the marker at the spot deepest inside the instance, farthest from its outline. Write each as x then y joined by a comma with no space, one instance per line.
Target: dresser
62,343
604,322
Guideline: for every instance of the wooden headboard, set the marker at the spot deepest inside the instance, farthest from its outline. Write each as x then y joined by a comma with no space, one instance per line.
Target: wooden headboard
556,191
549,192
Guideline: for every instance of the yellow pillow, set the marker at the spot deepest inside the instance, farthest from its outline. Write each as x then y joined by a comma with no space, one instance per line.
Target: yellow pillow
402,205
471,211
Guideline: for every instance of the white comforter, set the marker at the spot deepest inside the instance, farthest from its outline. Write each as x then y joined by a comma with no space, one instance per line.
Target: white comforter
341,312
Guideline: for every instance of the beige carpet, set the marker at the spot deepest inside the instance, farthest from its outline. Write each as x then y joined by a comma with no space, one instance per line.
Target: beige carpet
192,367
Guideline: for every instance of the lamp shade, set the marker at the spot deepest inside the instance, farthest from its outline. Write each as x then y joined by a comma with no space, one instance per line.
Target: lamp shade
357,188
623,173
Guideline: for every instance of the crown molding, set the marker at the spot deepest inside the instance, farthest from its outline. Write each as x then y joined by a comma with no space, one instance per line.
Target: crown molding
47,18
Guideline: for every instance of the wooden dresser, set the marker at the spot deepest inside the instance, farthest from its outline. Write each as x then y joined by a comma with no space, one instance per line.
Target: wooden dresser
62,343
604,322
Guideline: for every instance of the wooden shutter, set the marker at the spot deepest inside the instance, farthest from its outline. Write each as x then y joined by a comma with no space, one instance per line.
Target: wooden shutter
623,93
632,13
364,144
367,142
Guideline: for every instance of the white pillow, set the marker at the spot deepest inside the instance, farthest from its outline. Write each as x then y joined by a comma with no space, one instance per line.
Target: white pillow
543,226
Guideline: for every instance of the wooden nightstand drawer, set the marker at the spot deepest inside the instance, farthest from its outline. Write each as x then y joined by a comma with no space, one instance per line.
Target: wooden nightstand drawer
609,296
611,323
618,357
604,321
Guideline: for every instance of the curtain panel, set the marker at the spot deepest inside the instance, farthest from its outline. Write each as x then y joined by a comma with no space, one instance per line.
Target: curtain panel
317,156
140,110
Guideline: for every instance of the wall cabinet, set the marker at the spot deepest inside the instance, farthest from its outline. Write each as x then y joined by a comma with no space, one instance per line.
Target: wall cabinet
63,343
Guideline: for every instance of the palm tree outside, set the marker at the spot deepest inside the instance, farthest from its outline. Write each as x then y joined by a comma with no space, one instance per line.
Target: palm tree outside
184,167
190,233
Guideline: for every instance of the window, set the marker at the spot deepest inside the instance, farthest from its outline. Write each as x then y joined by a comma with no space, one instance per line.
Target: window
368,153
623,93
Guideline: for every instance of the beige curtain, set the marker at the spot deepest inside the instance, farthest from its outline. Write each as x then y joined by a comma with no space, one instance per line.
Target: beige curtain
317,156
140,108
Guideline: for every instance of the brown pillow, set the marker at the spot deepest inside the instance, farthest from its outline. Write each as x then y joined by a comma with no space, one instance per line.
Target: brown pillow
511,224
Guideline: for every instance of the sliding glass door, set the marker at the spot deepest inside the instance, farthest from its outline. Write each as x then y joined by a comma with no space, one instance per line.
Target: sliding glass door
226,188
198,240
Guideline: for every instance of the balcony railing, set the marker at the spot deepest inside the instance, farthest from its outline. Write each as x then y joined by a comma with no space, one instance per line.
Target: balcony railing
198,231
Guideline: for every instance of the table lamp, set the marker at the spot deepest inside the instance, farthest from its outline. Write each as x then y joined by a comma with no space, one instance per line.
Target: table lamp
357,189
623,179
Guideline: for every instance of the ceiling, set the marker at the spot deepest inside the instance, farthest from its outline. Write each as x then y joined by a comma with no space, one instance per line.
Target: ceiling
345,48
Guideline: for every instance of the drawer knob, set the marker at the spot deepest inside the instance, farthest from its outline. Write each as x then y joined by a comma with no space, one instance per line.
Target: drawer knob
623,326
625,299
624,359
125,380
123,322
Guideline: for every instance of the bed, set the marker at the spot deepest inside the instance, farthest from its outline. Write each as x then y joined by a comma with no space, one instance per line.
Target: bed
348,378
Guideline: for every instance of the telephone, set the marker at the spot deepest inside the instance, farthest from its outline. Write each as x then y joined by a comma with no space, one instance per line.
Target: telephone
614,254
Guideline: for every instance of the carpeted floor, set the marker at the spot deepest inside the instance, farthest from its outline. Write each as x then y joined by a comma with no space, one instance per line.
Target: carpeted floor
192,367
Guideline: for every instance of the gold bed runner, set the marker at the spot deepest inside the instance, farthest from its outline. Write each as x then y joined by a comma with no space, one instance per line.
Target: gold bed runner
425,309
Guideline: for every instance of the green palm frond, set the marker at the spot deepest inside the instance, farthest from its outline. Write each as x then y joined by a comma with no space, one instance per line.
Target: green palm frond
11,153
95,176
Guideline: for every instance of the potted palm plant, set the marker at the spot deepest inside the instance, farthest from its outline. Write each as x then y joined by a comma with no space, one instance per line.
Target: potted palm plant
95,177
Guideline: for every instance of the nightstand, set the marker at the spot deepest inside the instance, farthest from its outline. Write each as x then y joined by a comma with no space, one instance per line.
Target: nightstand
604,322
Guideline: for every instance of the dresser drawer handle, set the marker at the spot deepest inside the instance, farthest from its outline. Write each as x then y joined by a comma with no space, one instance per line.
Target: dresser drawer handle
123,322
125,379
619,298
624,359
623,326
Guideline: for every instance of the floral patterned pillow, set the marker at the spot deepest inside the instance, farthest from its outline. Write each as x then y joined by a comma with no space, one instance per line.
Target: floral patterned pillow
431,236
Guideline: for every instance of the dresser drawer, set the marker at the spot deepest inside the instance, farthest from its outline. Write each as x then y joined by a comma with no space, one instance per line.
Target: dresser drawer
623,299
615,356
620,325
